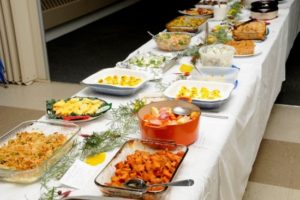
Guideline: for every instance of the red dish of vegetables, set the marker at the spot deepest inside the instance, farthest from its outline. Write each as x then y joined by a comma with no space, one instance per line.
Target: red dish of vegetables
158,122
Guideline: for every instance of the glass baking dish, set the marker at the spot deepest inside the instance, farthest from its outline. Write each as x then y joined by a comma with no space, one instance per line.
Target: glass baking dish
129,148
153,64
191,24
70,130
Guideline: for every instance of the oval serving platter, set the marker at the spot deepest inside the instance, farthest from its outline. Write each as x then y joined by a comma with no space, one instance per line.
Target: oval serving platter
73,116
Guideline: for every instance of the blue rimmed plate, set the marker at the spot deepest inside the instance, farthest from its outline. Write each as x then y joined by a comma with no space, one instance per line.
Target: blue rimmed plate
225,91
118,90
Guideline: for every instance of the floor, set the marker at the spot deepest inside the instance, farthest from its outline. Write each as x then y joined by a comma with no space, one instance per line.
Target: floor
34,96
290,91
275,174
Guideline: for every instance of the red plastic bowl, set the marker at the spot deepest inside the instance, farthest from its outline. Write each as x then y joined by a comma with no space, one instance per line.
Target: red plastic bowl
185,134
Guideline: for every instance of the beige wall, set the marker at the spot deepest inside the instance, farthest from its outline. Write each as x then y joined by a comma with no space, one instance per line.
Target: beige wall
29,36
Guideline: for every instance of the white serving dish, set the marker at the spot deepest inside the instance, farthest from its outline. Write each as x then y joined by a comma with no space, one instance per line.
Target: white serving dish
217,74
264,15
225,90
92,81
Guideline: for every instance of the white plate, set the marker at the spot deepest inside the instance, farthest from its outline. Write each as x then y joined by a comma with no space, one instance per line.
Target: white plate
225,90
256,52
92,81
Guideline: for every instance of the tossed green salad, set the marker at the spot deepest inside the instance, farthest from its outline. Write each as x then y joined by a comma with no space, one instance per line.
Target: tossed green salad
148,60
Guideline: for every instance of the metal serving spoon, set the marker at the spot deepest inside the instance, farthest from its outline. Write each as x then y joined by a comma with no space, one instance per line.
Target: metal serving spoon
186,111
141,185
181,110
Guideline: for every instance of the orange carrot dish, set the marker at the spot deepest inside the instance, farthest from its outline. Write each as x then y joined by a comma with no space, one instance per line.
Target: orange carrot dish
153,168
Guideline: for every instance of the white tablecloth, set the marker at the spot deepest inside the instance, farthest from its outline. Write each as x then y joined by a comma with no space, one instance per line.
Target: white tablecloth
221,159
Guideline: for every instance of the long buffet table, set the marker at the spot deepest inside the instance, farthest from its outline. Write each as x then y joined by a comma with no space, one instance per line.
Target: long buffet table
221,160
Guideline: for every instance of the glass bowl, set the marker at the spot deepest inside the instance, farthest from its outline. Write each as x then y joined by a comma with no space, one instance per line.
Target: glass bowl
173,41
217,55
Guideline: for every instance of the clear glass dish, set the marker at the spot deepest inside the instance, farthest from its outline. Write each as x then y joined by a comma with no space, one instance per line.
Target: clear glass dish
153,64
128,148
191,24
70,130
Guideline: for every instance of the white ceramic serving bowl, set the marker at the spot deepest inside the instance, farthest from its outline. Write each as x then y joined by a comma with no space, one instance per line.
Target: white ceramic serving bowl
92,81
217,74
225,91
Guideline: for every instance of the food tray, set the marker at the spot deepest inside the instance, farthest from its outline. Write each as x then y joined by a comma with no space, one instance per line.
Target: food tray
217,74
250,30
49,127
184,133
75,117
129,148
92,81
195,12
189,24
225,90
153,72
173,41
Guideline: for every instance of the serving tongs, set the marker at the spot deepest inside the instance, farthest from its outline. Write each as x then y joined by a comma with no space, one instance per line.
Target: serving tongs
243,23
188,33
151,34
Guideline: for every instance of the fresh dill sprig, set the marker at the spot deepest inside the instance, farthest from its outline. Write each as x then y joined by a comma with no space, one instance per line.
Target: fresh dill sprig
60,168
124,118
57,171
101,142
234,10
50,194
124,122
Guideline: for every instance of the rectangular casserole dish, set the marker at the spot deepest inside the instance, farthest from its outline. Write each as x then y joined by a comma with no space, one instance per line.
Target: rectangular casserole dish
129,148
189,24
70,130
153,64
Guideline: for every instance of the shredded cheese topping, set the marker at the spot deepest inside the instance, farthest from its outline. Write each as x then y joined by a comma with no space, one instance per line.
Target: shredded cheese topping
29,149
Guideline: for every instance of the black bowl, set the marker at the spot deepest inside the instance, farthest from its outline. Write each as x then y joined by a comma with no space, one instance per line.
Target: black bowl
264,6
